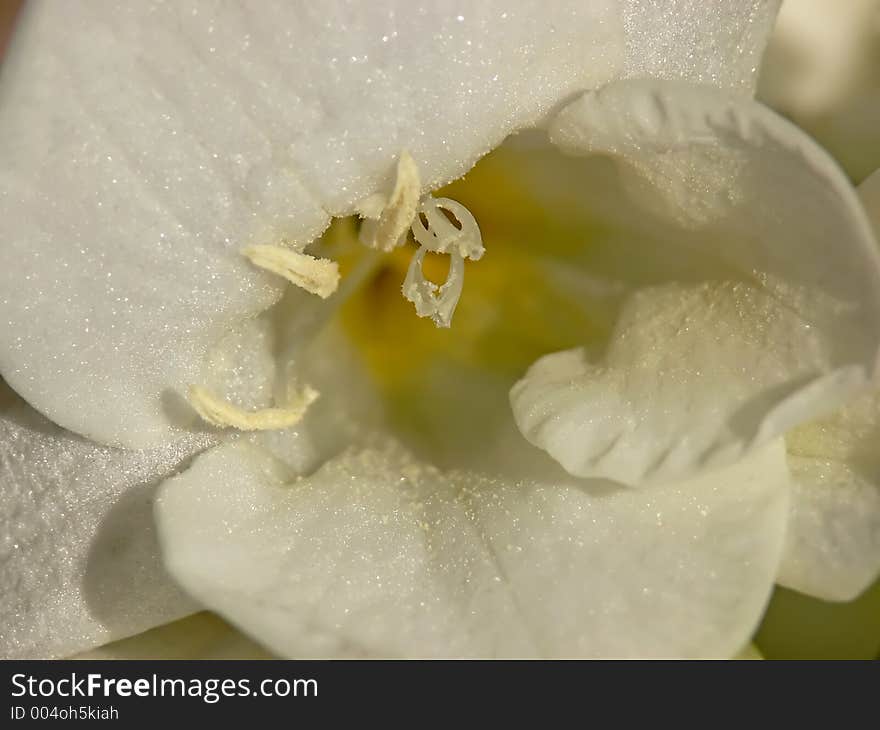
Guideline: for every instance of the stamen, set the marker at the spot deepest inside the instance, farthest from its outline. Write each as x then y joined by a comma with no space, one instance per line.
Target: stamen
221,413
385,228
386,223
318,276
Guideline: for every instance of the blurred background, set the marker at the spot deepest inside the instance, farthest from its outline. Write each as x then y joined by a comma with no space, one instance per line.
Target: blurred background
822,70
8,10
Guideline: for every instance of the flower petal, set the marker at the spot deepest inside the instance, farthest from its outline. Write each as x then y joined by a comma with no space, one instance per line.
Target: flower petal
695,376
378,554
711,42
749,186
833,543
686,383
79,562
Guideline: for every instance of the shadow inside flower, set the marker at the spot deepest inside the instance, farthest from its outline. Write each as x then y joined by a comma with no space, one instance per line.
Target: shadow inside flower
125,584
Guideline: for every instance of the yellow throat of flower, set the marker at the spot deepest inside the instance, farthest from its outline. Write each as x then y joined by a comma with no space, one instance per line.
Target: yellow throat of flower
512,311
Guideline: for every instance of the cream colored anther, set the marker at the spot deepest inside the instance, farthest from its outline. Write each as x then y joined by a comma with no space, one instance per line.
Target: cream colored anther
386,222
318,276
223,414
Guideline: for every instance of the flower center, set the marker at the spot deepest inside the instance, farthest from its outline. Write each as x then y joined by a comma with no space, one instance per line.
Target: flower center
443,388
446,390
439,226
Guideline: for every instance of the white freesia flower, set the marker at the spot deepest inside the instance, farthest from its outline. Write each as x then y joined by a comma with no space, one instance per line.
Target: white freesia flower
668,447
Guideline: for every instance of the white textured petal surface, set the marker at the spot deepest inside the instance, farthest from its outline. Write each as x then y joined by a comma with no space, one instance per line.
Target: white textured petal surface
79,561
241,367
833,544
693,377
376,554
706,41
745,184
833,541
699,377
145,144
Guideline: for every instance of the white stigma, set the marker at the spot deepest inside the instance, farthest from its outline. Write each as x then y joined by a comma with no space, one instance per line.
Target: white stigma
386,223
440,235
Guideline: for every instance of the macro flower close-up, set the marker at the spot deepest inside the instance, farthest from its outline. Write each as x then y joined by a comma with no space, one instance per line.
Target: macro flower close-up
439,329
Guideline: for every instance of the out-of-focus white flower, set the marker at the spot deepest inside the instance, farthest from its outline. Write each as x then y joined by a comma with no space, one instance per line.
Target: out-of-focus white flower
822,69
674,278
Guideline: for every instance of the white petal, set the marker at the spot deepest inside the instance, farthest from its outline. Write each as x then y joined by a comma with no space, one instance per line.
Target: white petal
146,144
690,378
79,561
376,554
241,367
698,375
747,185
833,543
704,41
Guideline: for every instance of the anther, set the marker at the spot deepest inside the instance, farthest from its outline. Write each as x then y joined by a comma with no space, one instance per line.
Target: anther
318,276
221,413
386,222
